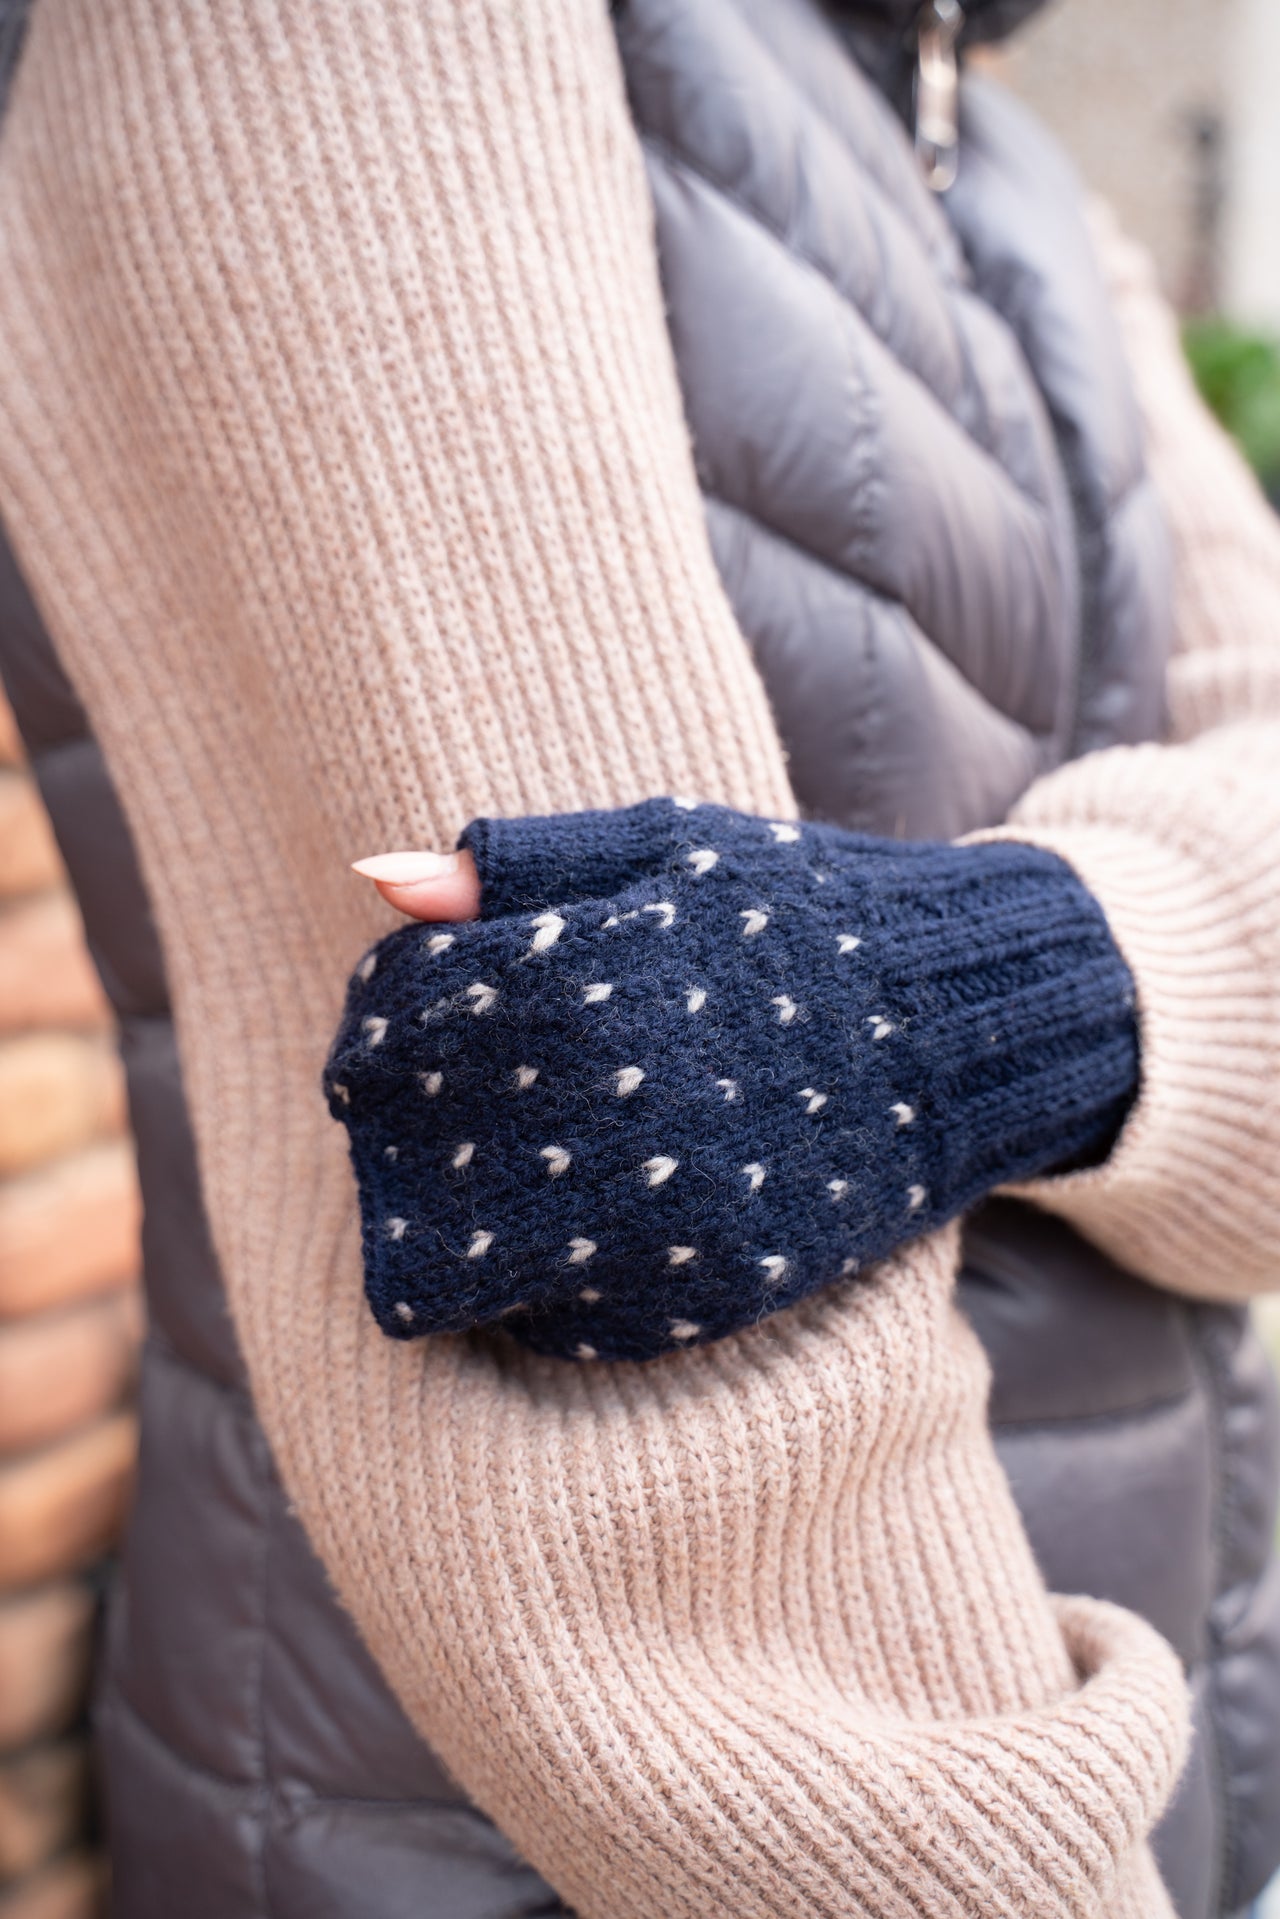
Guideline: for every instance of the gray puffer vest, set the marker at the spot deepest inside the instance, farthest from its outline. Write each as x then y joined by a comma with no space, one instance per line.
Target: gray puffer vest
925,492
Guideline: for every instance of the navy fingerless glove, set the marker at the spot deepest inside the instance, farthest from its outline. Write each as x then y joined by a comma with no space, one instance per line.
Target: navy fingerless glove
691,1066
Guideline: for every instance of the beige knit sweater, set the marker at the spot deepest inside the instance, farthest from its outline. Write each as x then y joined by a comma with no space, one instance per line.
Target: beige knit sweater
341,443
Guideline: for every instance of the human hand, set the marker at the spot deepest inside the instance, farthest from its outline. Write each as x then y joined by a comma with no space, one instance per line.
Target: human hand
690,1066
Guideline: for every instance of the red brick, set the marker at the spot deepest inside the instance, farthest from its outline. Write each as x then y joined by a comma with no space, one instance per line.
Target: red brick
29,858
61,1508
71,1888
11,751
58,1091
45,1643
62,1369
46,975
43,1797
70,1230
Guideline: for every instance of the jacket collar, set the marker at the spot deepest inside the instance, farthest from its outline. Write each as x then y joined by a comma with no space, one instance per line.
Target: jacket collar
984,19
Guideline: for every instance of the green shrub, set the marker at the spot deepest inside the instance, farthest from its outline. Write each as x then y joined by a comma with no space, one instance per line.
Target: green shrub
1238,373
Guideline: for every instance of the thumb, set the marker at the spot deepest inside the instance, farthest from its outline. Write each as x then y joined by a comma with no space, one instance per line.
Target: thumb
426,886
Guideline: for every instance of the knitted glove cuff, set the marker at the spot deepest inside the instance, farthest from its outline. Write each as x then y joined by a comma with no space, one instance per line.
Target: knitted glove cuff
691,1066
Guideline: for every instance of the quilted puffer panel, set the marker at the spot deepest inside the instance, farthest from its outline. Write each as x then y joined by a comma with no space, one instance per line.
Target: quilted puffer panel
854,686
803,418
1187,1842
1245,1701
849,395
929,400
191,1671
185,1300
1120,1505
666,53
1244,1388
1068,1333
343,1861
1244,1618
1040,272
182,1841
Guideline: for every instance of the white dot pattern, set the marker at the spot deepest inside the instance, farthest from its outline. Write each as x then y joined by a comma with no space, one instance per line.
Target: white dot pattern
547,930
763,1096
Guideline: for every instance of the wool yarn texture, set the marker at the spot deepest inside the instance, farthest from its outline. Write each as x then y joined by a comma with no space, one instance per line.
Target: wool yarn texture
754,1058
341,443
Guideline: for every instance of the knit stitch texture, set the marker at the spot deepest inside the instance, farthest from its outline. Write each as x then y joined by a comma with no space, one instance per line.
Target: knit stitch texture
340,439
752,1058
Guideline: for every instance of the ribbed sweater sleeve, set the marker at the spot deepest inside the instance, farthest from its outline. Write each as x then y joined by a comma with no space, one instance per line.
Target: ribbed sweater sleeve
341,442
1180,844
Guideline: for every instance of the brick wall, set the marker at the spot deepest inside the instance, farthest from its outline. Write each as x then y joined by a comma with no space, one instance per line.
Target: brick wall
69,1329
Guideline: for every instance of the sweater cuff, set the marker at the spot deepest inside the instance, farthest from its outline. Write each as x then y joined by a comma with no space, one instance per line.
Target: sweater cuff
1187,1197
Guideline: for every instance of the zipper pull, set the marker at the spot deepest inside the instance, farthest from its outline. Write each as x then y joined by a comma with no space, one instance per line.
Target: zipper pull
937,89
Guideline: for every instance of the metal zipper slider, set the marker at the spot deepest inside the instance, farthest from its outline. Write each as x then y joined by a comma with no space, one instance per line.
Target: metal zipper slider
937,91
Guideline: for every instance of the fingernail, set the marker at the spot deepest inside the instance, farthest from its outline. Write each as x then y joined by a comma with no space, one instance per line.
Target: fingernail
406,869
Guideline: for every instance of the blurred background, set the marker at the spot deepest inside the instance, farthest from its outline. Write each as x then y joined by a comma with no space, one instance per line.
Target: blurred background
1169,108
